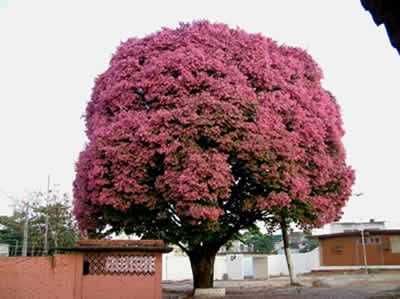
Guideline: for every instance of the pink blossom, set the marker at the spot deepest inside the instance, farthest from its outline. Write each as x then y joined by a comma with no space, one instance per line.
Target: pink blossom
199,119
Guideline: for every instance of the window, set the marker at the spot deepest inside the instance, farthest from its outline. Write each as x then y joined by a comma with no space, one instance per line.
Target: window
118,264
370,240
337,249
395,244
375,240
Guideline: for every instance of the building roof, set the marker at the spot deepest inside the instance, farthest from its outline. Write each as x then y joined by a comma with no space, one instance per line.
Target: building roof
359,223
118,245
357,233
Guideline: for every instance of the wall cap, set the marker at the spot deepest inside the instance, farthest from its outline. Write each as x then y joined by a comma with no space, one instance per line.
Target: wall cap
92,245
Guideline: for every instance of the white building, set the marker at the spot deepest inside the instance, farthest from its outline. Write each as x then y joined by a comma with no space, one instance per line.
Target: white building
236,247
342,227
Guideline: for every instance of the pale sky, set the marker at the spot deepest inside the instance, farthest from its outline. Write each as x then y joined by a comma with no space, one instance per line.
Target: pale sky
51,51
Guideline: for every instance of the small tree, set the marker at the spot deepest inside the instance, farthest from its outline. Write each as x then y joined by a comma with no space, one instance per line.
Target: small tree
304,216
286,247
197,133
258,241
63,231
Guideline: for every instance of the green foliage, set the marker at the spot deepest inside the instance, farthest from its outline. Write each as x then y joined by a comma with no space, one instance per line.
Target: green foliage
62,230
10,230
258,241
311,244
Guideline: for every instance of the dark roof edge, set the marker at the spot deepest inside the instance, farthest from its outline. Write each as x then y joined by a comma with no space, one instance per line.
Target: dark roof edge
357,223
358,233
162,249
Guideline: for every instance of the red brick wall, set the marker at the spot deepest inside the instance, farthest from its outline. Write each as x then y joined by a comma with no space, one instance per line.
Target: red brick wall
37,277
62,277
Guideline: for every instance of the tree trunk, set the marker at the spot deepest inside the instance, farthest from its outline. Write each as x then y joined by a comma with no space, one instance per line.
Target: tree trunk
285,237
202,262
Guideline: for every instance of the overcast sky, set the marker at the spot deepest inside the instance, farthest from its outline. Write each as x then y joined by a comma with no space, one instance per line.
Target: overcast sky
51,51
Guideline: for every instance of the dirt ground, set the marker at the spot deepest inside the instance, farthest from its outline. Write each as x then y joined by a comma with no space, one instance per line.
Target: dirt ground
331,286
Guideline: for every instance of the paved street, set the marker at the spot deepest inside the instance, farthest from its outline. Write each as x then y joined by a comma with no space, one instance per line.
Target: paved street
353,286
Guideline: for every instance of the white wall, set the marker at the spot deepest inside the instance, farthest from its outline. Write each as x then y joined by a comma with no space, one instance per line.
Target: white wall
176,267
303,263
339,227
248,266
4,249
234,266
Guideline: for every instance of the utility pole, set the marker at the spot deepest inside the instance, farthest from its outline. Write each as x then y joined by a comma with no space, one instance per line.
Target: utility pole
26,227
16,248
362,239
46,226
364,250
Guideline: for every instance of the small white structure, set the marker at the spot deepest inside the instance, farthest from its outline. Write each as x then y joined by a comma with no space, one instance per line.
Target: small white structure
234,266
4,249
342,227
260,266
210,293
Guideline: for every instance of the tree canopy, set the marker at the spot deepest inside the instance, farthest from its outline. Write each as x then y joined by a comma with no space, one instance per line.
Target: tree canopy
197,132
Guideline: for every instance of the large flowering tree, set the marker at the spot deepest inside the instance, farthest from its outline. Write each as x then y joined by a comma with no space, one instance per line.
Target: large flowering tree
198,132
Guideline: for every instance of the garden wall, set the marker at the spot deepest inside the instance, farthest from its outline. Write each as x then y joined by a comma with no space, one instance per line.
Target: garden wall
38,277
177,267
123,270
